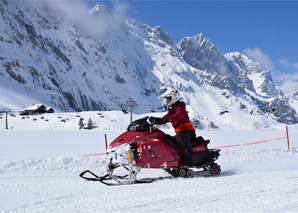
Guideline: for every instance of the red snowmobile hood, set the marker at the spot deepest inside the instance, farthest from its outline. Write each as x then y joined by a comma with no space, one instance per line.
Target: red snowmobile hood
134,137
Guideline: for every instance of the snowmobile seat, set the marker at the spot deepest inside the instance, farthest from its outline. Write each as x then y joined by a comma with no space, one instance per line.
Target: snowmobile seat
194,141
200,140
197,140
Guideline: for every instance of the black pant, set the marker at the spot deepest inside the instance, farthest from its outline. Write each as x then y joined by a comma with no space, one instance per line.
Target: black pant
183,140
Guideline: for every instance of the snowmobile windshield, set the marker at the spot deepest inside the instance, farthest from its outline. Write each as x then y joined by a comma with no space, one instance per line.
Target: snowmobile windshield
139,125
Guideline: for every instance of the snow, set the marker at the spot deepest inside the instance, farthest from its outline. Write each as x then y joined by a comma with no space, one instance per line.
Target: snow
257,80
41,161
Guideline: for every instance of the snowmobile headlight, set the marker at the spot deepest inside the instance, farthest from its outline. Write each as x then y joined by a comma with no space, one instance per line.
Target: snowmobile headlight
122,154
129,157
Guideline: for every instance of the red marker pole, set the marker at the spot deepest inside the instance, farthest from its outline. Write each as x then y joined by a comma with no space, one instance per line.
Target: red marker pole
106,144
288,137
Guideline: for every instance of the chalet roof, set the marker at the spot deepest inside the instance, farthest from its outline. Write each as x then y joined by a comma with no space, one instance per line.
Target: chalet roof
35,107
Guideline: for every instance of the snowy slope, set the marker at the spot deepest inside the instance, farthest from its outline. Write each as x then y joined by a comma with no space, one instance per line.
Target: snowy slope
39,171
71,62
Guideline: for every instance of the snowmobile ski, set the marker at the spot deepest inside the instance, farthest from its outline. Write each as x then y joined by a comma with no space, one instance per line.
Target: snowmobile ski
105,178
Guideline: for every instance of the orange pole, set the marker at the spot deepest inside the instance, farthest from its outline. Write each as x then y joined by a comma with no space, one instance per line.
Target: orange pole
288,137
106,144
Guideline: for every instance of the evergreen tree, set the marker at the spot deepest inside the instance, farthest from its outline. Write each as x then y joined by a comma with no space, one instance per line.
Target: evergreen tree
90,124
81,124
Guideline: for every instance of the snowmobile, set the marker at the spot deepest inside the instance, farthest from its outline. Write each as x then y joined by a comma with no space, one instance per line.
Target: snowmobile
145,146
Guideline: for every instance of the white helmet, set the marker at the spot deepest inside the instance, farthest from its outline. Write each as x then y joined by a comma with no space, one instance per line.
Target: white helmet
173,94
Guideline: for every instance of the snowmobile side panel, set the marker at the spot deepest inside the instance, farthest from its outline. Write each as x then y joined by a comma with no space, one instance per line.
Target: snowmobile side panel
157,154
140,157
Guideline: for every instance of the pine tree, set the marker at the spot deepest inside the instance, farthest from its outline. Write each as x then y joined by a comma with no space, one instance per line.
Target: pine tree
90,124
81,124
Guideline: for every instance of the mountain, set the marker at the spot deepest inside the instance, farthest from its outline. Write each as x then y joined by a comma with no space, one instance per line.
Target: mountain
97,61
293,100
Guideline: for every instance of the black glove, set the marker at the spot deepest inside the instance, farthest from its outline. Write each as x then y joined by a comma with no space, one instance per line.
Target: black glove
165,120
154,120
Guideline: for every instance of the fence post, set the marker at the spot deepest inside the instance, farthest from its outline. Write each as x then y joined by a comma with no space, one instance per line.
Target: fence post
106,141
288,136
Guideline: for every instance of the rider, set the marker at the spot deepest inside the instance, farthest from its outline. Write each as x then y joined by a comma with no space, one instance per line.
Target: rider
178,116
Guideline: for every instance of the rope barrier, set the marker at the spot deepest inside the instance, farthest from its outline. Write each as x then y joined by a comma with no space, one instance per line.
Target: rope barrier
258,142
246,144
220,147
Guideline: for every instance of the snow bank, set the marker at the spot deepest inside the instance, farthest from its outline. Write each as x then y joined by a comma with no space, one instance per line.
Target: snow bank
259,160
51,166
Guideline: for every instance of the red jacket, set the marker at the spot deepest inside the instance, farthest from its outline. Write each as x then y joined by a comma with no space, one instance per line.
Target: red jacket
179,117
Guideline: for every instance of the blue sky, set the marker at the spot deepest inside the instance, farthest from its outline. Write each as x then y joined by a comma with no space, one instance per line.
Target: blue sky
266,31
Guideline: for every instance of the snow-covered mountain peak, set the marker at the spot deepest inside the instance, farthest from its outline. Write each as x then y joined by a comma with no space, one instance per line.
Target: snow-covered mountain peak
100,9
162,35
102,61
235,55
200,53
244,62
197,40
251,75
200,38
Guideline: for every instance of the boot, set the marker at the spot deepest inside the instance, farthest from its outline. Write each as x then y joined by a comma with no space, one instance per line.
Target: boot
188,160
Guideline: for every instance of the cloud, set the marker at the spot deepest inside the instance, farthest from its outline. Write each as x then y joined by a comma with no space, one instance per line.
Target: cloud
287,77
288,82
286,62
120,9
77,13
289,86
260,57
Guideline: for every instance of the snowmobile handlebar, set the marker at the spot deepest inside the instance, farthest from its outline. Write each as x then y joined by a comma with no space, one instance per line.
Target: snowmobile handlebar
155,120
143,124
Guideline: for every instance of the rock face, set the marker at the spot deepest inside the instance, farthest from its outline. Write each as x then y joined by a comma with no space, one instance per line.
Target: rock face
99,61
